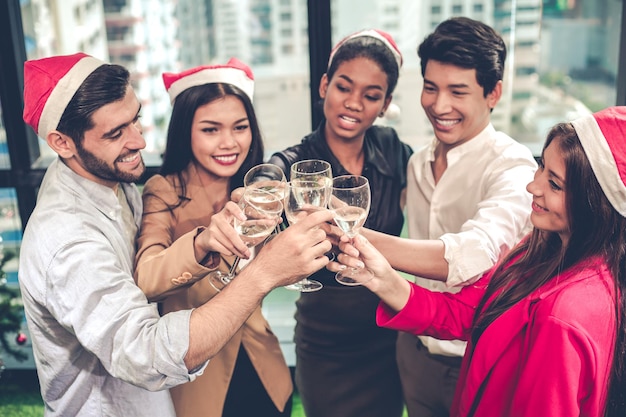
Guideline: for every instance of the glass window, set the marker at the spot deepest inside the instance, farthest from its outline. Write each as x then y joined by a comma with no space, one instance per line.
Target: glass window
10,232
130,33
562,58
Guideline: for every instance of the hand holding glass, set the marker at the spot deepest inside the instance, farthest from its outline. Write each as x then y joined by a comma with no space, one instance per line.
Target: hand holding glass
262,210
268,177
308,190
350,202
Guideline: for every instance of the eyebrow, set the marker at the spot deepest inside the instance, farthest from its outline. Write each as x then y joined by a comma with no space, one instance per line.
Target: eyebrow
461,85
348,79
243,119
111,133
557,176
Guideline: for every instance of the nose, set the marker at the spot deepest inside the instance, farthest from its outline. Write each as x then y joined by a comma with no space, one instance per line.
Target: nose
228,140
533,187
441,103
353,102
136,139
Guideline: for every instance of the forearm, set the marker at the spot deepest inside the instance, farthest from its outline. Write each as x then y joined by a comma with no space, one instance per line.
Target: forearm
213,324
394,291
423,258
161,271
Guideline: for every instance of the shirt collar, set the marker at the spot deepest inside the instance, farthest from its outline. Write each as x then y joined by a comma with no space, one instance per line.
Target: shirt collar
476,143
103,198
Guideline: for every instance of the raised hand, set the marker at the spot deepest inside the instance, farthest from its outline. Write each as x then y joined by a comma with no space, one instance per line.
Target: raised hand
378,275
220,236
295,253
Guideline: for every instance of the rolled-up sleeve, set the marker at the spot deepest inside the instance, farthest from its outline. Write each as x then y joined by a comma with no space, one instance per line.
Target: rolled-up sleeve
96,300
500,221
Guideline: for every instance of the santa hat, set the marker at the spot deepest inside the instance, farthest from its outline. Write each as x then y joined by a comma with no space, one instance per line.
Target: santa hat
234,72
49,85
603,137
384,37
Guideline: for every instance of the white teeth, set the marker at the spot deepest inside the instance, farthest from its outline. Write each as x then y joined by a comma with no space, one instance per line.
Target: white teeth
349,119
230,158
129,158
446,123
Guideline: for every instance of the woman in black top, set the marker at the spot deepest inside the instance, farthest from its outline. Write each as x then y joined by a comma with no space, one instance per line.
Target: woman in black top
346,364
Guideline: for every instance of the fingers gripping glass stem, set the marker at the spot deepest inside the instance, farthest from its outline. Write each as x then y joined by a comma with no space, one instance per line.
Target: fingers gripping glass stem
350,202
261,209
308,190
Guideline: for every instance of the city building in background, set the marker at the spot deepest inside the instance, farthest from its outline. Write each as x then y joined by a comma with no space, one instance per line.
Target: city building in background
546,78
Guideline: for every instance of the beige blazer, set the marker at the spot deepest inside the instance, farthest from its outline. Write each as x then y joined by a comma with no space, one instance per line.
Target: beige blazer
167,271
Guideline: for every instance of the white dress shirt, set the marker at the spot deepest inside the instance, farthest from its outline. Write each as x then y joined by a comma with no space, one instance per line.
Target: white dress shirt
479,209
100,348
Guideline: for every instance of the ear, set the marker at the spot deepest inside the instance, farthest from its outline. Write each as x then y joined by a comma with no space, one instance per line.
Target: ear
62,144
494,97
323,86
385,106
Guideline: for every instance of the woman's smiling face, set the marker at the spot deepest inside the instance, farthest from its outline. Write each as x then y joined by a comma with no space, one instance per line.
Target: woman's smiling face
549,211
221,136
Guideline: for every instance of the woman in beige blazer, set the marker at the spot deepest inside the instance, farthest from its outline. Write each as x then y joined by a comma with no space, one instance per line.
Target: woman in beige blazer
213,139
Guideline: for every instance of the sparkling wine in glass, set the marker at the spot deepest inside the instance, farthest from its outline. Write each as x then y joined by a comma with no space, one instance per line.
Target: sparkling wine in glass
262,209
304,197
350,203
268,177
313,170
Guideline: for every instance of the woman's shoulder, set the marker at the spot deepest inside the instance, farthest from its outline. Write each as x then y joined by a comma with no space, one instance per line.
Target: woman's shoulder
162,187
387,145
587,290
386,137
306,149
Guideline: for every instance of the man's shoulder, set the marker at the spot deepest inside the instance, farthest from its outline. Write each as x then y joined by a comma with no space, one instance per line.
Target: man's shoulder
504,148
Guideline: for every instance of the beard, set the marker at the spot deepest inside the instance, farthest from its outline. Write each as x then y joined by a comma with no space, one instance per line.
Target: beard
101,169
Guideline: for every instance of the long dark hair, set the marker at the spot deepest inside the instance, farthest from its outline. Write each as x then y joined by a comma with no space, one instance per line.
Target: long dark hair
106,84
178,153
596,229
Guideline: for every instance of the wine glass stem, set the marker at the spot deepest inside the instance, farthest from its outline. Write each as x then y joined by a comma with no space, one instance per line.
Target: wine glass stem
233,268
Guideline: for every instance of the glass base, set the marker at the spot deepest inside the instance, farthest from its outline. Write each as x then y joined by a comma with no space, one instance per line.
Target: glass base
219,280
343,278
305,285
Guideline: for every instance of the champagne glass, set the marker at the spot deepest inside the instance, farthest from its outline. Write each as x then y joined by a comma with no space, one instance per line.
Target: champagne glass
303,197
350,203
270,178
313,170
261,209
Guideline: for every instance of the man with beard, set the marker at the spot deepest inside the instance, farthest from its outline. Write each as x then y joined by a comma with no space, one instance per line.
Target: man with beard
100,348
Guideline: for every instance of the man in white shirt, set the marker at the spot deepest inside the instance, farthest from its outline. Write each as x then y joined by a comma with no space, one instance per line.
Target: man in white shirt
467,203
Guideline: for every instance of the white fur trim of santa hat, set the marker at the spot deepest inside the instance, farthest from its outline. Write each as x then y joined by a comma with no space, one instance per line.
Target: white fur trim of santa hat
49,85
234,72
603,137
384,37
